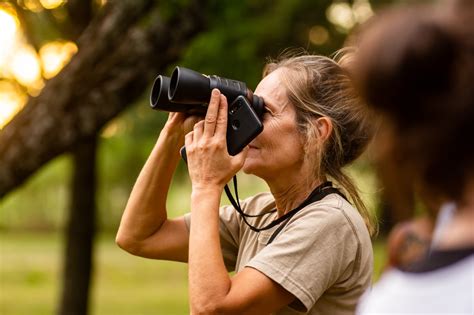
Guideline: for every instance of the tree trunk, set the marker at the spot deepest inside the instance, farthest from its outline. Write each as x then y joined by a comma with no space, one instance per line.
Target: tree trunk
80,231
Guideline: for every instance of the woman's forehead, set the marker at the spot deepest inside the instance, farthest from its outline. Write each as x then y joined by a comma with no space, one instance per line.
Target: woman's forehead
272,89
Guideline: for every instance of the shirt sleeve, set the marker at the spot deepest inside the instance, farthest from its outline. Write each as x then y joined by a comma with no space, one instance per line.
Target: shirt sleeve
314,250
229,230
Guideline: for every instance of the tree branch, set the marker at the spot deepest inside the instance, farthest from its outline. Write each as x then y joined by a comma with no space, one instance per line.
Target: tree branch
113,67
80,15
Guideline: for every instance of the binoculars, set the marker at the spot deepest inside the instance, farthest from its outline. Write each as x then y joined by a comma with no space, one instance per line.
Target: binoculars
189,91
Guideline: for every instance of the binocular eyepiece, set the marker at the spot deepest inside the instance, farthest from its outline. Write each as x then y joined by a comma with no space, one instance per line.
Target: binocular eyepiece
189,91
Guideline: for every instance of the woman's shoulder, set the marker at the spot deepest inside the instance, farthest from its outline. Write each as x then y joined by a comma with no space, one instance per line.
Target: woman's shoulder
260,202
336,211
335,206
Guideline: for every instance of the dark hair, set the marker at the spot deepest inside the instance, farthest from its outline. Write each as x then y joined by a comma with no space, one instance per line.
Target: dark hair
416,67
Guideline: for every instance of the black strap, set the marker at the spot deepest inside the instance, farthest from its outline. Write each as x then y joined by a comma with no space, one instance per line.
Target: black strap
324,192
438,259
277,231
236,202
317,194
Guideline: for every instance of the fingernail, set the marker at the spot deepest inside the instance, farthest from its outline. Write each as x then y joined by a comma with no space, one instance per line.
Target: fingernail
215,92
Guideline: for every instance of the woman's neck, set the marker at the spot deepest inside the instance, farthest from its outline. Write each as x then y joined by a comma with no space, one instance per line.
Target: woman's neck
289,193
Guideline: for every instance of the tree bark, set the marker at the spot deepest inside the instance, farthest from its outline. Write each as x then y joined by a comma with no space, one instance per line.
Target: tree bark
80,231
116,61
80,14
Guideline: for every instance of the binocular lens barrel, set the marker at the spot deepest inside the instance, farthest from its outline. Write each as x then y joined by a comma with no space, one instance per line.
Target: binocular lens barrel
159,93
159,99
189,91
188,86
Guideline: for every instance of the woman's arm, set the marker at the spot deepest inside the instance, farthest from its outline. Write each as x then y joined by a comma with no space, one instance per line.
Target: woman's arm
212,290
145,229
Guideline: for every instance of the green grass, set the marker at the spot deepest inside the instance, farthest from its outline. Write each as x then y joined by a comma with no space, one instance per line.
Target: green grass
30,274
30,278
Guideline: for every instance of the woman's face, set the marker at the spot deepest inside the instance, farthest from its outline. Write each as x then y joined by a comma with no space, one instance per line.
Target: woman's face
278,150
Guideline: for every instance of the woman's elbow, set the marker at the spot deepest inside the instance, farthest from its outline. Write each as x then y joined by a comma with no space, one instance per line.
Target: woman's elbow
127,243
204,309
213,308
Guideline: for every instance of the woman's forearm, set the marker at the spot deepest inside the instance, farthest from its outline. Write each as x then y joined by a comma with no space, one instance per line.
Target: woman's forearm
209,281
146,208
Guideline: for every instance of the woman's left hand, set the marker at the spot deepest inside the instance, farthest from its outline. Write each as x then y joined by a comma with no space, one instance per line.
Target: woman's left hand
210,165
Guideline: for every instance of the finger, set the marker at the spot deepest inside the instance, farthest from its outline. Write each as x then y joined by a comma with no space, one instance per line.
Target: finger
188,139
180,115
221,124
190,121
172,116
198,130
211,115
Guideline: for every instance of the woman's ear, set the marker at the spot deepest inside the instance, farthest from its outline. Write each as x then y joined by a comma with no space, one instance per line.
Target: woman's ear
324,125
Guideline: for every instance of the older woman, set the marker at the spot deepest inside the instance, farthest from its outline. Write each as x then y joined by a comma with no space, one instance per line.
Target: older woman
320,259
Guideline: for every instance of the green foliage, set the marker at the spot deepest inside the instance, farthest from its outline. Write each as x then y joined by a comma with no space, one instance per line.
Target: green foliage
242,35
41,203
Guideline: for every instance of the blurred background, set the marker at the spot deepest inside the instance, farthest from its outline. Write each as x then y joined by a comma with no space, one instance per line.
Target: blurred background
76,127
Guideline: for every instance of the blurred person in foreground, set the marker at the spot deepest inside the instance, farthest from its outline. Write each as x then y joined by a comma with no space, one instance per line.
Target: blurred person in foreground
415,67
320,259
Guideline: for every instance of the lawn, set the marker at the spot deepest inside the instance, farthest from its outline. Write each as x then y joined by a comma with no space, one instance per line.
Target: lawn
30,269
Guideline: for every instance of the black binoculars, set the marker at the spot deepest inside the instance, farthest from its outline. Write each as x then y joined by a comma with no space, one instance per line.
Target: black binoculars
189,91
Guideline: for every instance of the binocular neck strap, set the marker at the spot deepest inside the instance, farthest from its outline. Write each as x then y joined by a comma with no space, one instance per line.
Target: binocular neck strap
236,202
317,194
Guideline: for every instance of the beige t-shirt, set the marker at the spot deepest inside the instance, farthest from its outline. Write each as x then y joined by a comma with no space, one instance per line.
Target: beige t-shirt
323,256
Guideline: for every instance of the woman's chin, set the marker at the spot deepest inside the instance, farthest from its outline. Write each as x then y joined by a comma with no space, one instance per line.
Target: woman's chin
249,166
253,162
247,169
